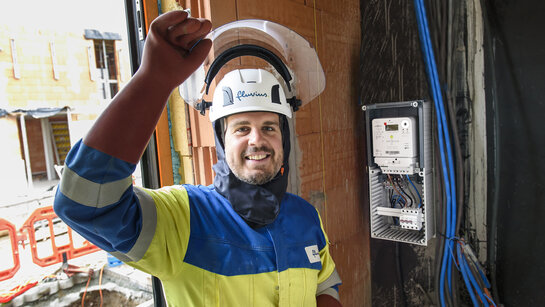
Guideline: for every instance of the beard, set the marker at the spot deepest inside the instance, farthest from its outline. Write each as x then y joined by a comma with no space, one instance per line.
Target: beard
265,173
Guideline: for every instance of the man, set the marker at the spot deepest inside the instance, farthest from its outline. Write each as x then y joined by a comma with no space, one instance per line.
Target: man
243,241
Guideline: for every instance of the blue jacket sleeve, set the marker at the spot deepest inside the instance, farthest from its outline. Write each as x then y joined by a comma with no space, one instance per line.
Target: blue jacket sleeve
96,199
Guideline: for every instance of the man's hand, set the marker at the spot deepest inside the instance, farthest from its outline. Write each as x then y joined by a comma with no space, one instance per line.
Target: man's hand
175,47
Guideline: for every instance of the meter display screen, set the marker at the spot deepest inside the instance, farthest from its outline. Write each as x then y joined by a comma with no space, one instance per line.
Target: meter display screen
392,127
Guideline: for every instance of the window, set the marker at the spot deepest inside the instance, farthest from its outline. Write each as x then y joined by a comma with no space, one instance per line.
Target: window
106,64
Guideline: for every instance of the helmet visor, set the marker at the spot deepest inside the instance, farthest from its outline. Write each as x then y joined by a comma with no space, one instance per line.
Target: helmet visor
299,56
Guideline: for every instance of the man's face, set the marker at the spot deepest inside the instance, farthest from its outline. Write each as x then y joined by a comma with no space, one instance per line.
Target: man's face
253,146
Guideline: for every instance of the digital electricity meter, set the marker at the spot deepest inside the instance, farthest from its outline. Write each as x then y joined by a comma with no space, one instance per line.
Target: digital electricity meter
395,144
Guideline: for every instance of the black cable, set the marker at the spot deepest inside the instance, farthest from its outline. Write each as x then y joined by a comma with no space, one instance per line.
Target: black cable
394,187
456,140
400,278
404,179
391,197
440,217
403,191
454,15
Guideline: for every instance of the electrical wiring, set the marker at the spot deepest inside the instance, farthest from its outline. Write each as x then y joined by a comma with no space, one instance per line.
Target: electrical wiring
475,280
390,197
399,269
409,190
85,291
439,189
100,283
411,202
393,186
444,145
466,278
400,201
416,190
488,297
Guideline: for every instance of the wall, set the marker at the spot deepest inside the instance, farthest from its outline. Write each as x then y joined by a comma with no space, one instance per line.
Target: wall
11,158
330,142
37,86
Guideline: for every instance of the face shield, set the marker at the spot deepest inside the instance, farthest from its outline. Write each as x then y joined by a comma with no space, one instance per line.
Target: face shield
240,44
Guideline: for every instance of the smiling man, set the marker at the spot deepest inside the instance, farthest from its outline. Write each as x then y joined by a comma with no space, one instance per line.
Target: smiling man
243,241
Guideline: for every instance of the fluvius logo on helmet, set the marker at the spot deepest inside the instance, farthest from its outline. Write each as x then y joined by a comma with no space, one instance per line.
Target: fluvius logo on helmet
243,94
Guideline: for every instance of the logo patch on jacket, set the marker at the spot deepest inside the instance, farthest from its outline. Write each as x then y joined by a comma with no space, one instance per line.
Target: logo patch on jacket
313,253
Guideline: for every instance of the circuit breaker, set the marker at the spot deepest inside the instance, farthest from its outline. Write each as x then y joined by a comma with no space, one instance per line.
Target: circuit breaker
399,151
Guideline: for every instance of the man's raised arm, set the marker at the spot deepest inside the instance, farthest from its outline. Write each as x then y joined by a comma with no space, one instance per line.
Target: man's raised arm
95,196
124,128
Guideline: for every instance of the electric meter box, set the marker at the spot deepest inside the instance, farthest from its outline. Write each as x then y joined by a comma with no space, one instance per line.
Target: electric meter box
399,160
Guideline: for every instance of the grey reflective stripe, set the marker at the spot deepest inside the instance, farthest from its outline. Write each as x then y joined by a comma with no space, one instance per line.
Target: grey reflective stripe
332,280
120,256
92,194
149,222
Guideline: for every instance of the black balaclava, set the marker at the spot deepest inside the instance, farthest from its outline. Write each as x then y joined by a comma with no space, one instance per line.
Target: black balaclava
258,205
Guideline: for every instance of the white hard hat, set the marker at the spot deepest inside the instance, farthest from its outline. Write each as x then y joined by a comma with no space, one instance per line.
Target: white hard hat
248,90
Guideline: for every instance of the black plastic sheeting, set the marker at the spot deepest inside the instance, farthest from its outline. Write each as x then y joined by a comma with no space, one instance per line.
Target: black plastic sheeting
36,113
515,82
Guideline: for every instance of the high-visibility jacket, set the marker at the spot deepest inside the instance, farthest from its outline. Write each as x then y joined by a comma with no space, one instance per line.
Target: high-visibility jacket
193,241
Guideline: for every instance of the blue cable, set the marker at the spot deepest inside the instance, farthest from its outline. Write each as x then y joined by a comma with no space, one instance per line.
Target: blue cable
470,278
399,200
446,265
465,276
483,276
445,260
452,255
418,193
473,281
490,300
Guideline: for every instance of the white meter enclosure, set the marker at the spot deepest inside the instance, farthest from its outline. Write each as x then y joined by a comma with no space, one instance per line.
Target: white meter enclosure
399,155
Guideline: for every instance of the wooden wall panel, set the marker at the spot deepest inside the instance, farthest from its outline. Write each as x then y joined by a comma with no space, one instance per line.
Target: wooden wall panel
293,15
